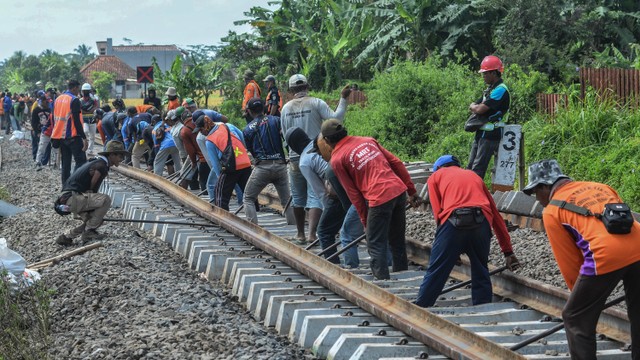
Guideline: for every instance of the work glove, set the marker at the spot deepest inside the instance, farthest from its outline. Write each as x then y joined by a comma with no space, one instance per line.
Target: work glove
512,262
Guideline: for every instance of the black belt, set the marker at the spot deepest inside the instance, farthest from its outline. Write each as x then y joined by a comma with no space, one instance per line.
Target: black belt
258,162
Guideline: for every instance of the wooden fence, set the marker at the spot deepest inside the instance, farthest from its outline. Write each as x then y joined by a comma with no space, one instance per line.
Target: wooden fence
620,85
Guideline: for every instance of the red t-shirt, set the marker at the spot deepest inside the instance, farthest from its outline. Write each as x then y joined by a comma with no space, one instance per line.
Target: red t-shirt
451,188
369,173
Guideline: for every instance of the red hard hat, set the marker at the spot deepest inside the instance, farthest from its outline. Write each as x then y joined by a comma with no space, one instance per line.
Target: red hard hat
490,63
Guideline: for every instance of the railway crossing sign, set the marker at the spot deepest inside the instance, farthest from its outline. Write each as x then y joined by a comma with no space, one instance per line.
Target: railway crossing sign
507,159
144,74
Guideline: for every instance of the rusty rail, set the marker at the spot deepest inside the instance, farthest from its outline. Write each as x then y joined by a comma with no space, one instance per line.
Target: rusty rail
442,335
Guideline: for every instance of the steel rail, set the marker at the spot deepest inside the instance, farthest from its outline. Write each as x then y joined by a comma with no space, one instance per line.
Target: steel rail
535,294
443,336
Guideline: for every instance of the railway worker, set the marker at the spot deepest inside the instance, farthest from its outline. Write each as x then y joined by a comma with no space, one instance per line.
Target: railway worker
200,168
88,104
593,255
202,138
225,142
68,133
165,148
137,125
172,99
493,104
80,194
251,90
347,221
274,100
313,167
264,141
377,184
41,123
152,99
465,213
307,113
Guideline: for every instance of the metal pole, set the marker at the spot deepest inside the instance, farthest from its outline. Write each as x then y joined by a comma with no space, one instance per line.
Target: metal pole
347,247
314,244
465,283
556,328
329,248
521,183
239,209
161,222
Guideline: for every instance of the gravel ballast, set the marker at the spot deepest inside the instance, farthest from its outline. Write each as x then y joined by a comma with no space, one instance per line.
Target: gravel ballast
134,298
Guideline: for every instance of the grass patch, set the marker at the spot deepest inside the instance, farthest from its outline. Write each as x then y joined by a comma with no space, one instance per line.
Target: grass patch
4,194
25,318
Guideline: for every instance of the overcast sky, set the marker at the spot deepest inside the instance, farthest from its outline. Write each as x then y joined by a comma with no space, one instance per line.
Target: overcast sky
36,25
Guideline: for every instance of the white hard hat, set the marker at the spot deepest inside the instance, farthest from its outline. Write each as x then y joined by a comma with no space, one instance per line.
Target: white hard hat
86,86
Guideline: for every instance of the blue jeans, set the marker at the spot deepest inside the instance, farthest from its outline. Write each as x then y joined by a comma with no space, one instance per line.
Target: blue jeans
351,229
449,243
301,193
386,225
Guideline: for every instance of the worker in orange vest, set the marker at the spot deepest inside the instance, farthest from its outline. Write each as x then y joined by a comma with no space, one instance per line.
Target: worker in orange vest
68,134
274,100
251,90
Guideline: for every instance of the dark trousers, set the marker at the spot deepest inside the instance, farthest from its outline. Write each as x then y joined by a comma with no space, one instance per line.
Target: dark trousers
71,148
481,152
226,182
586,302
203,175
7,121
329,225
449,243
35,141
385,230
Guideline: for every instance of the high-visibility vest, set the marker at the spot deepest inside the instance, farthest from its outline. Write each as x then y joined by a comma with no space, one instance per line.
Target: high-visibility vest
64,127
143,108
252,90
220,138
269,104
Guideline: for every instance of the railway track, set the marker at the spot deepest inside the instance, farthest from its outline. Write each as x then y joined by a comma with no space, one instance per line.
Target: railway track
345,314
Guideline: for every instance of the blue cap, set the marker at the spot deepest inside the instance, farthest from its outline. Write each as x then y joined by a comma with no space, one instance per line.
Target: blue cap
445,160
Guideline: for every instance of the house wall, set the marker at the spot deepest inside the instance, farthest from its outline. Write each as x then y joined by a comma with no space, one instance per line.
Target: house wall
143,58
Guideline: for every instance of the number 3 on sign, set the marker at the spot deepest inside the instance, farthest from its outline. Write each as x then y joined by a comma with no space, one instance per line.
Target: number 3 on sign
508,156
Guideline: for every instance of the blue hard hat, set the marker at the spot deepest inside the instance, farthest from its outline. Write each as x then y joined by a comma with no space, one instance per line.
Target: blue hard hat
445,160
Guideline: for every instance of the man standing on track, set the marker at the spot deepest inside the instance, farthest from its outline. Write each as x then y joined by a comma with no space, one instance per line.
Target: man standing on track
307,113
274,100
465,213
251,90
377,184
593,255
68,134
264,141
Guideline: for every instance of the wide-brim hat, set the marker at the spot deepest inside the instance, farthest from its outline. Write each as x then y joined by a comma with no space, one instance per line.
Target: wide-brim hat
114,147
171,92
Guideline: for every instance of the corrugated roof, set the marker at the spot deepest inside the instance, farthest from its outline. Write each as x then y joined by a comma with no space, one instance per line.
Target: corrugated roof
111,64
138,48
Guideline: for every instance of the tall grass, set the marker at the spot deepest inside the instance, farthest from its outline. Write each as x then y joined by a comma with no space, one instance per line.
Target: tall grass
25,321
594,139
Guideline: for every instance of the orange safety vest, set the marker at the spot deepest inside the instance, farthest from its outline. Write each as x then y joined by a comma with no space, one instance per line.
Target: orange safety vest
173,104
269,105
143,108
252,90
64,127
221,139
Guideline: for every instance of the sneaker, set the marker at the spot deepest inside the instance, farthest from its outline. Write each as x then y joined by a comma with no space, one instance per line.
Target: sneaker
91,234
64,240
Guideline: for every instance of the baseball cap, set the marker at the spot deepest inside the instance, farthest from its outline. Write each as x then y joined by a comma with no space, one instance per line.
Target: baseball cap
269,78
297,139
199,121
297,79
188,102
178,113
331,127
543,172
248,74
255,104
445,160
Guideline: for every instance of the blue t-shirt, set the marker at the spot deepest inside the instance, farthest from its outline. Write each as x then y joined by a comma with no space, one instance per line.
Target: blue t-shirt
167,139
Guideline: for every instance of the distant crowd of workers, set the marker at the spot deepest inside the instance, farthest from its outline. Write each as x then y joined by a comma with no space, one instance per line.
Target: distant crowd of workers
345,186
